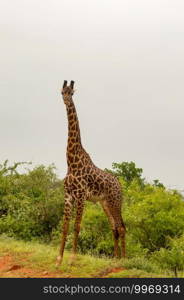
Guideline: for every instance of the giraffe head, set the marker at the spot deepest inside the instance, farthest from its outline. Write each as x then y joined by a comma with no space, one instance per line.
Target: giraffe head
67,92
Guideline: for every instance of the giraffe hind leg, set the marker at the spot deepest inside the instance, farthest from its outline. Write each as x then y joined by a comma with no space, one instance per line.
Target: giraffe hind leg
118,225
115,209
116,242
112,224
122,231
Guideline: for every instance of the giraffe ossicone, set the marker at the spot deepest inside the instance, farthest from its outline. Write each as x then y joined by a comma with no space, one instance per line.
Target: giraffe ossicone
84,181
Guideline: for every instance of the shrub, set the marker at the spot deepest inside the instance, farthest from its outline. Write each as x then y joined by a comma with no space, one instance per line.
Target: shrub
171,257
31,204
141,263
156,215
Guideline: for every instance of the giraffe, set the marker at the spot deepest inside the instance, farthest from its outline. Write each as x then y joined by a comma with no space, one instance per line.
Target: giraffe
84,181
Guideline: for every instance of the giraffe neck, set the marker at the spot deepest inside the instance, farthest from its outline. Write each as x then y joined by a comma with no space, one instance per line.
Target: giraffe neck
74,138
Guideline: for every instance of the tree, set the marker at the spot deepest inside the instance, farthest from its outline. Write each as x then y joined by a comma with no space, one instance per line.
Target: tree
128,171
157,183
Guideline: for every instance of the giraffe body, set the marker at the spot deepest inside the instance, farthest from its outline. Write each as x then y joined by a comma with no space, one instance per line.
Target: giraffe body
84,181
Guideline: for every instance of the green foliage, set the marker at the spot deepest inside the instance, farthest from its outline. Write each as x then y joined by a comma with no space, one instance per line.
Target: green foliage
128,171
154,216
31,204
96,235
157,183
171,257
141,263
133,247
31,207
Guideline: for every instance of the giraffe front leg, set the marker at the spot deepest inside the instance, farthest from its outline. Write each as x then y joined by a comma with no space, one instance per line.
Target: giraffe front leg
67,216
79,213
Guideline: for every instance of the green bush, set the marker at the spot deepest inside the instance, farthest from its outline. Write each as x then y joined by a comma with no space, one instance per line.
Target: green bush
171,257
31,204
141,263
134,248
154,216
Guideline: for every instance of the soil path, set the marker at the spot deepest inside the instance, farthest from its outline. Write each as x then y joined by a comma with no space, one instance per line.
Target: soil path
10,267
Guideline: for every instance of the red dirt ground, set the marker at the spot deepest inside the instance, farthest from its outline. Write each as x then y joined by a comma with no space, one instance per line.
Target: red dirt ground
109,271
10,268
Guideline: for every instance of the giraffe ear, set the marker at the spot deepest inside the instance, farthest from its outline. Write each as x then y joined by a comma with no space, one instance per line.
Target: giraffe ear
72,84
65,83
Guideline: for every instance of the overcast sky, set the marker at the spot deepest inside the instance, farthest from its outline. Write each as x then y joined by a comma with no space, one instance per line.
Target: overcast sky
127,60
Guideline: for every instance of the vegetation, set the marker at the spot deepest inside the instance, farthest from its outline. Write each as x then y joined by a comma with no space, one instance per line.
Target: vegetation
128,171
31,204
35,259
172,257
31,208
